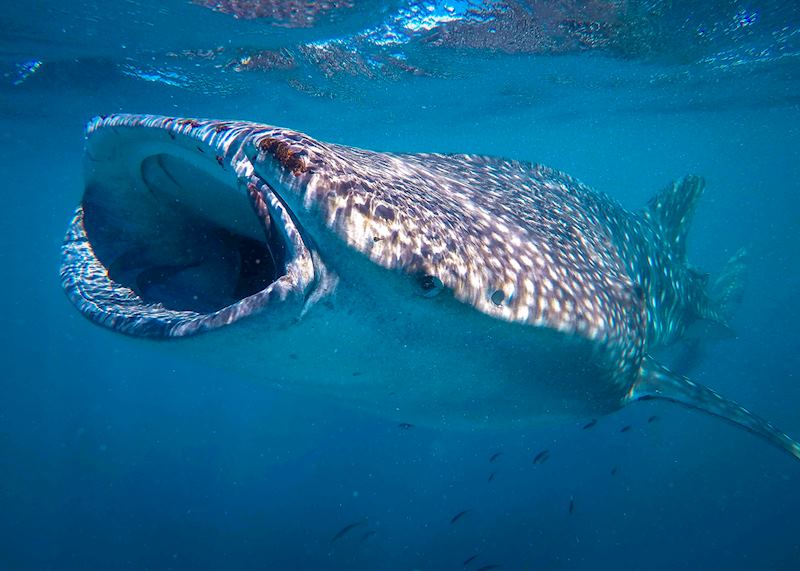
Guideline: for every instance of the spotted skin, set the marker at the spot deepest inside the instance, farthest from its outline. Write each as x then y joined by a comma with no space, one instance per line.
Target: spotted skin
517,241
520,243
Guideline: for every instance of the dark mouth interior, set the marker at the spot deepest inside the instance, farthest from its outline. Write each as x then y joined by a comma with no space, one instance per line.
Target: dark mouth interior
180,237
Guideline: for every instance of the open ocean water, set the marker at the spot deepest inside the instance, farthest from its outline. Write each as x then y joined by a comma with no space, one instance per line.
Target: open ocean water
120,454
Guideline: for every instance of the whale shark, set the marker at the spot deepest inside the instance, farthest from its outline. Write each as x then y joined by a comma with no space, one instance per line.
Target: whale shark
447,289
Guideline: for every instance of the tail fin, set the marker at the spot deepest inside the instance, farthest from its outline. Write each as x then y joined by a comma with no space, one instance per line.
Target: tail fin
715,303
657,382
671,212
727,289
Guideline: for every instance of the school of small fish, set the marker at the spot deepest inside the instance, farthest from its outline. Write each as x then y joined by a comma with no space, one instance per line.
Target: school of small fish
539,458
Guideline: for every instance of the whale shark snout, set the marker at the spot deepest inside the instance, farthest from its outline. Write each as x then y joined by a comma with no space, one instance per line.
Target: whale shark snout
175,235
451,289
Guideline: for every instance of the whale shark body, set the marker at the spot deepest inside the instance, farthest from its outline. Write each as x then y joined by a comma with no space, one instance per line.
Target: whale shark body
448,289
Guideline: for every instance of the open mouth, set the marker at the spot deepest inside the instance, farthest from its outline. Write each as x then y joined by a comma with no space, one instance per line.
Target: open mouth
176,234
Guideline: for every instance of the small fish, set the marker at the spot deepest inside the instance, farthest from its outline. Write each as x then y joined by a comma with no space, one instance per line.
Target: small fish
470,559
614,470
571,504
349,527
590,424
458,516
491,476
495,456
488,567
541,457
367,535
652,419
625,428
405,425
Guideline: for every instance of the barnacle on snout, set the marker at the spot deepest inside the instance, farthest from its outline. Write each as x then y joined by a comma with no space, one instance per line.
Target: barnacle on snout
290,158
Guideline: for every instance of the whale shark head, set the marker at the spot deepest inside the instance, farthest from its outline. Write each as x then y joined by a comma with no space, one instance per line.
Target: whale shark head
427,287
175,235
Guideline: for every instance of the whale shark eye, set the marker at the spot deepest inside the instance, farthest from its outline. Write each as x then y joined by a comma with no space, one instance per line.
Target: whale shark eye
430,285
498,296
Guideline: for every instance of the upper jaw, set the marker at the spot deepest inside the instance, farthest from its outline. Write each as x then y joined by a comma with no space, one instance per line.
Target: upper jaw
176,234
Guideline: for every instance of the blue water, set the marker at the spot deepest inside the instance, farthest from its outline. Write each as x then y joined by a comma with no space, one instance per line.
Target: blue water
116,454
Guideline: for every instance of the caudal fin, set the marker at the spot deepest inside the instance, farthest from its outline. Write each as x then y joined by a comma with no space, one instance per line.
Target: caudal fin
657,382
671,211
727,289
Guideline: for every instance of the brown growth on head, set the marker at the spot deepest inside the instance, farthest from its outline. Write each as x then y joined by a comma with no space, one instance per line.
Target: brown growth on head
284,153
190,122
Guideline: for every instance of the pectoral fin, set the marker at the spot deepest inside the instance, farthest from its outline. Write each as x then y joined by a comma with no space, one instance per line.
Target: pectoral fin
657,382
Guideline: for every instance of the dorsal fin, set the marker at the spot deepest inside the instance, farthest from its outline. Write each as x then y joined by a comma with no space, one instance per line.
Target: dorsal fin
671,211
